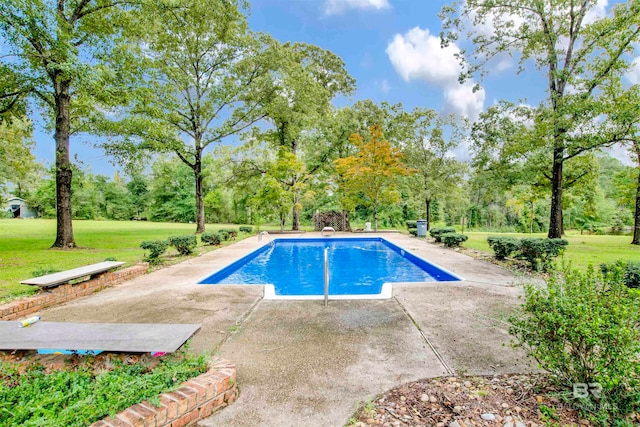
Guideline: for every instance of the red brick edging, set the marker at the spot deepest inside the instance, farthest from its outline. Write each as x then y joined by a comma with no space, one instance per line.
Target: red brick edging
47,297
196,399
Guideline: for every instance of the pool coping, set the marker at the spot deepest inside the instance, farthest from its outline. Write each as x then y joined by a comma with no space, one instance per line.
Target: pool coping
386,291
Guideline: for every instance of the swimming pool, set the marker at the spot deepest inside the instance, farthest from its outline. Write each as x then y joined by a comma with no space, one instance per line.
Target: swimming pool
358,267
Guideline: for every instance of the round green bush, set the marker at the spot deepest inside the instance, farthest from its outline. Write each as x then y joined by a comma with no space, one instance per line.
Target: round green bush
503,246
453,240
210,237
184,244
155,247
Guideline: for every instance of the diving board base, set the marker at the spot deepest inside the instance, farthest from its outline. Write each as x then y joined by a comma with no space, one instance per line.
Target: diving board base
85,337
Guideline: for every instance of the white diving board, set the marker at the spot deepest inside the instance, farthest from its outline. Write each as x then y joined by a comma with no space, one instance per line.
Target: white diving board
116,337
56,279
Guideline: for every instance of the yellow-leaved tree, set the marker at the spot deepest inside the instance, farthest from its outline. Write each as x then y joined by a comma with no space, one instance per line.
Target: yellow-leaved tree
369,177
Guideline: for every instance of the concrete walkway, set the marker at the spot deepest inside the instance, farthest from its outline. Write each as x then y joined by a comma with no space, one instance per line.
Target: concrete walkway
300,363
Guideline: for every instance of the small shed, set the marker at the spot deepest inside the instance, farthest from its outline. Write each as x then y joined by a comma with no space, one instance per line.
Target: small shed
19,209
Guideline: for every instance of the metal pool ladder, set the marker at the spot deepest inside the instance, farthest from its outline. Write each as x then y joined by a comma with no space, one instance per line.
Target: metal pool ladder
266,234
326,277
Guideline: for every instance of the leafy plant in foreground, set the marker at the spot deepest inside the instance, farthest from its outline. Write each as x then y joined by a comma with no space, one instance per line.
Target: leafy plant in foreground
631,272
584,327
79,397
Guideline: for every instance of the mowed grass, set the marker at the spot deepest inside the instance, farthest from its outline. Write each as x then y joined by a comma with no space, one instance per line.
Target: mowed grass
25,246
581,251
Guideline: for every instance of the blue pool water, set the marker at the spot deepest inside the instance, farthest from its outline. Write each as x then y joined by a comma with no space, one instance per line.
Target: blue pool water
357,266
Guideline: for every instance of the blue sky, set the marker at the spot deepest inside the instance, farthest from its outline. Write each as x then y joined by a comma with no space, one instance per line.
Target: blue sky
391,47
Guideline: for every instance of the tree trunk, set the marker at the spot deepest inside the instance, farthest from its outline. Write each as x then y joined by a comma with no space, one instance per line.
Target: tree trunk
197,170
64,173
555,221
375,217
636,222
295,217
531,218
427,203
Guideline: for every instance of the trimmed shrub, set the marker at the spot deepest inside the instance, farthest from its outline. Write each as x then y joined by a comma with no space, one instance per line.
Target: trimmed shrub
414,232
232,232
582,327
210,237
245,229
184,244
631,271
411,225
503,246
224,235
540,251
156,248
453,240
437,233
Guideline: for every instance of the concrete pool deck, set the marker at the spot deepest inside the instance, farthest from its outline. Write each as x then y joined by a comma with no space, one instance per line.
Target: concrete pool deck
300,363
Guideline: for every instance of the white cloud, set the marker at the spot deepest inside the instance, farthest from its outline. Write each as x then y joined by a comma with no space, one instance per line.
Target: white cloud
599,11
337,7
417,55
463,100
634,72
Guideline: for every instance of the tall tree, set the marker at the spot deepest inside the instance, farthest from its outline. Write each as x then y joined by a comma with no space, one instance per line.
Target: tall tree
16,160
428,151
510,148
623,108
576,51
207,77
307,79
52,51
370,175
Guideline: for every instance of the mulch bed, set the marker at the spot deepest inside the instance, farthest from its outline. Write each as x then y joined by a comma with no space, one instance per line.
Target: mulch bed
518,400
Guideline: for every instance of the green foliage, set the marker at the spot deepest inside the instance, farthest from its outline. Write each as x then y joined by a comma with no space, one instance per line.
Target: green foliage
245,229
631,271
582,327
184,244
437,233
81,396
172,191
411,225
453,240
156,248
224,235
503,246
540,252
210,237
370,176
232,232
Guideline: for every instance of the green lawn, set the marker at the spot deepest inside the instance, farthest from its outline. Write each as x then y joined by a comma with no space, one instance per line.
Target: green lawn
582,249
24,246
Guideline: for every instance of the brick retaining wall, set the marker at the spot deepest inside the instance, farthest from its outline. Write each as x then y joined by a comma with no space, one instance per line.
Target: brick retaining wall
196,399
25,307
